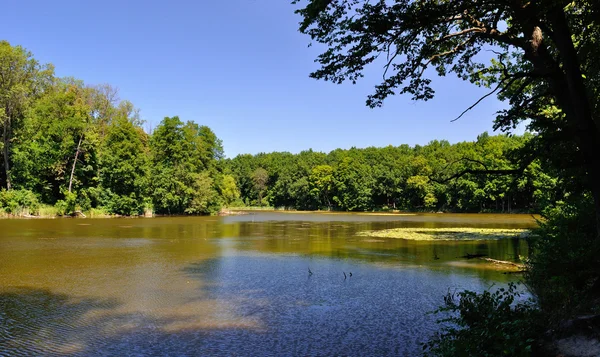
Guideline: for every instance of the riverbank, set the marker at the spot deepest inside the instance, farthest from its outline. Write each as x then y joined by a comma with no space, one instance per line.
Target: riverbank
50,212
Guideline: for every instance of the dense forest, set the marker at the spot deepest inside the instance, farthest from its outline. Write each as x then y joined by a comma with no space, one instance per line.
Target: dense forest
462,177
78,147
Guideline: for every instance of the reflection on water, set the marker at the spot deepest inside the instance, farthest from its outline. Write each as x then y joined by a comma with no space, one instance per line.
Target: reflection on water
233,285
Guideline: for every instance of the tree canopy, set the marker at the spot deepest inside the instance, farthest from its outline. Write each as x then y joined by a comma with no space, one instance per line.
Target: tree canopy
80,147
539,56
436,176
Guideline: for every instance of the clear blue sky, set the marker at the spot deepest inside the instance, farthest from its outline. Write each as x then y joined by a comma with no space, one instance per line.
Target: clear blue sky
237,66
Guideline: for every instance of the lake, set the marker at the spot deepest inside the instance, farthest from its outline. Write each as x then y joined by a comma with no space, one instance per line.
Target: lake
236,285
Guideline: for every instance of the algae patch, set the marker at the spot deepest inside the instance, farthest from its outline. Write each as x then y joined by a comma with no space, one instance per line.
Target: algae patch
459,233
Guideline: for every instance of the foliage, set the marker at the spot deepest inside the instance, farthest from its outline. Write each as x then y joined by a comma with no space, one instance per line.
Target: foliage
124,172
260,178
204,198
229,190
184,161
68,205
486,324
44,151
402,177
81,148
18,201
352,184
564,266
321,185
22,81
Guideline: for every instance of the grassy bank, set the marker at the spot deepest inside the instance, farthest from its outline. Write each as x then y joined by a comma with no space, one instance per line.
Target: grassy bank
49,211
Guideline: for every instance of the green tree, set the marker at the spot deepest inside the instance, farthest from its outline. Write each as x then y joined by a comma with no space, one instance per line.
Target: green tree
229,190
353,185
321,184
544,59
260,178
182,175
242,167
56,145
22,80
204,197
125,166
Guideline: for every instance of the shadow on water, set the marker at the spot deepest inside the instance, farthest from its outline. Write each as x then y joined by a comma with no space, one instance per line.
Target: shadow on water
40,323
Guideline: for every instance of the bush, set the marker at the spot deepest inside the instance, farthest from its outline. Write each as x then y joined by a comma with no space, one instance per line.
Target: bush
124,205
19,201
486,324
564,262
68,205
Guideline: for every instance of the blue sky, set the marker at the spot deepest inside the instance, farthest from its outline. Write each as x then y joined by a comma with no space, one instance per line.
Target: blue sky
237,66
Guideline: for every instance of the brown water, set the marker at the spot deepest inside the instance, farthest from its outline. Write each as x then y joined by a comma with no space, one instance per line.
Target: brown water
234,286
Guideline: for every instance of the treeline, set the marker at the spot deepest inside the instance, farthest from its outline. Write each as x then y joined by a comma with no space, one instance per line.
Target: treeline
78,148
466,177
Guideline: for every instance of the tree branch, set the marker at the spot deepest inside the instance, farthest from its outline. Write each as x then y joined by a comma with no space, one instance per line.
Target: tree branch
485,171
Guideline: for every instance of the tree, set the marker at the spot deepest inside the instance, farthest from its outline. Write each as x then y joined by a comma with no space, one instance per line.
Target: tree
229,190
182,171
260,177
321,184
404,177
55,146
204,197
125,165
22,79
353,184
544,58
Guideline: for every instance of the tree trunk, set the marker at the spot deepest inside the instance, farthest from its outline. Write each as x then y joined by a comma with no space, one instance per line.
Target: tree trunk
74,163
573,96
5,138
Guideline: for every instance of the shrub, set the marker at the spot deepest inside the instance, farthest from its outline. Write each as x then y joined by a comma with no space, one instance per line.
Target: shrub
68,205
19,201
564,261
124,205
486,324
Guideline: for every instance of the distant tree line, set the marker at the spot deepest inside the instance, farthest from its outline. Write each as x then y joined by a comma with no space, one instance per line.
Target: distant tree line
78,147
467,177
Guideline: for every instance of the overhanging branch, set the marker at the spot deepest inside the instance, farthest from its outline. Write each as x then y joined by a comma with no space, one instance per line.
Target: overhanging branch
499,172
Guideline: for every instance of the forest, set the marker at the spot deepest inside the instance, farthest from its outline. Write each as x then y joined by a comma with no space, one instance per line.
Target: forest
439,176
71,147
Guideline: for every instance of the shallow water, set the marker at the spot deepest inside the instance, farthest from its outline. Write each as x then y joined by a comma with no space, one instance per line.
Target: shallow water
235,285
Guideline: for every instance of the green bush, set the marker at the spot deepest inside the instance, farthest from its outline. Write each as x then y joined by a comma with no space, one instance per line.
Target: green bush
124,205
19,201
564,262
486,324
68,205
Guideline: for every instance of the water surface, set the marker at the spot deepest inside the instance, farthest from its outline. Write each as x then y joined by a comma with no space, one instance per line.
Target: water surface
235,285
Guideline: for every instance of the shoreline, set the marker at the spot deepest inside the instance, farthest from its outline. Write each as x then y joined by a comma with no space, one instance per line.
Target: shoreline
239,211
